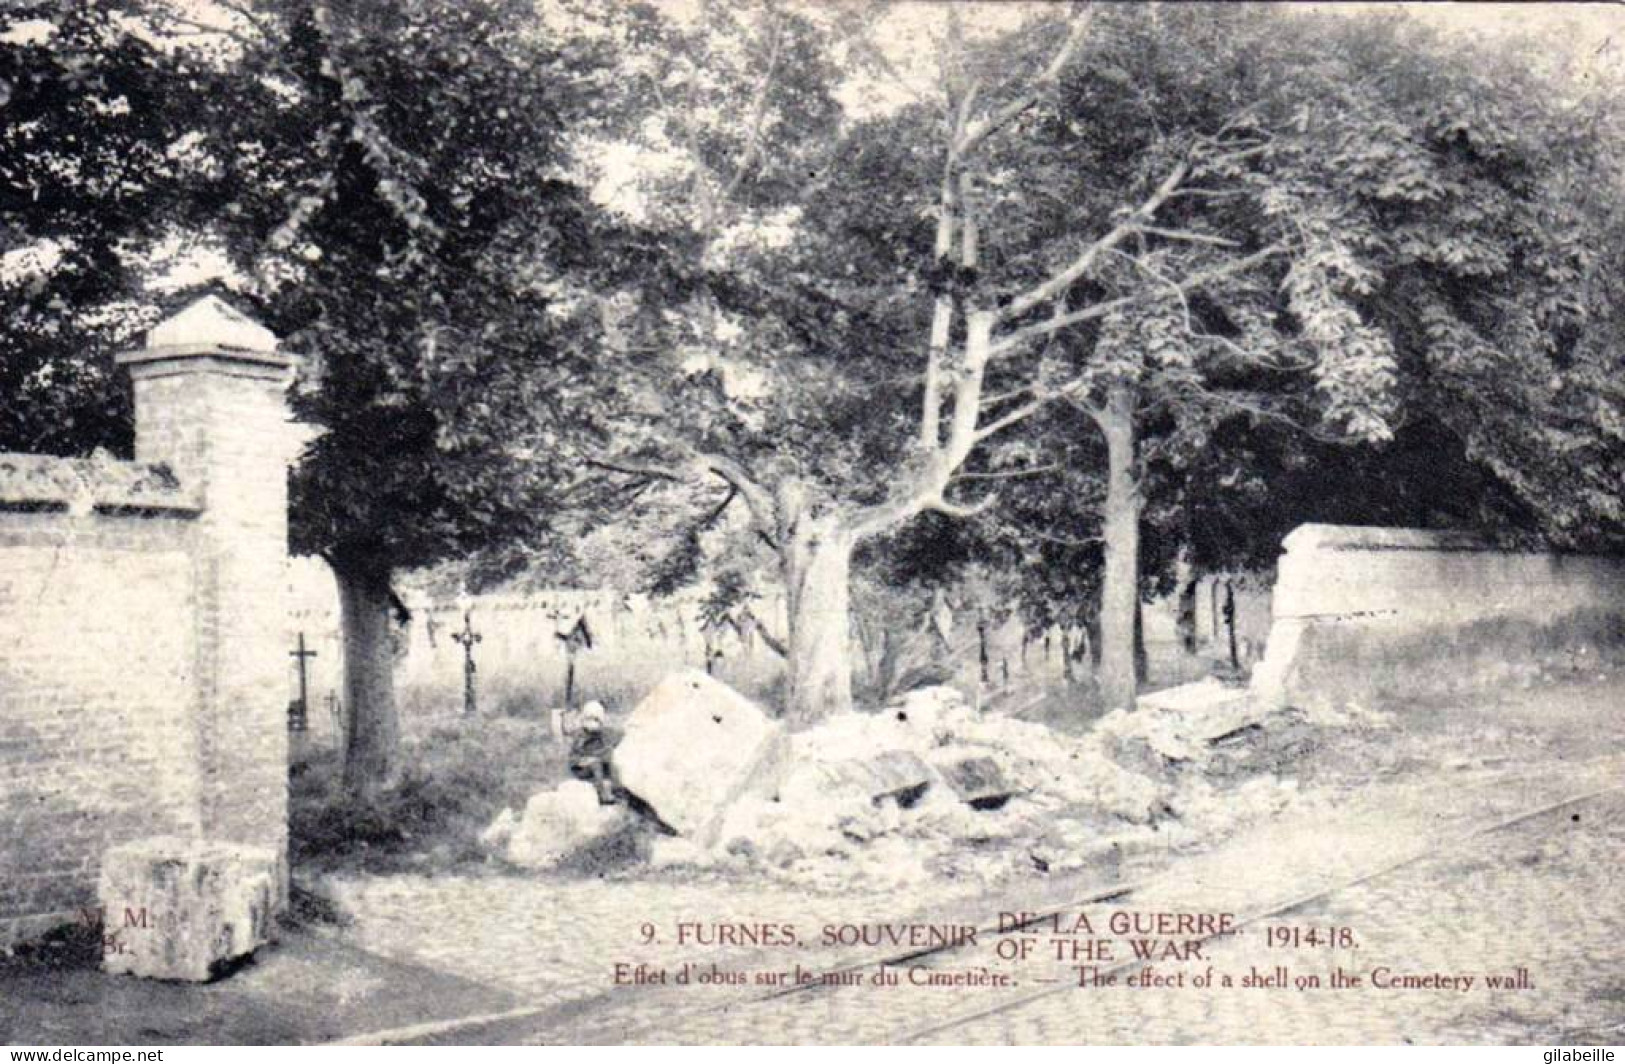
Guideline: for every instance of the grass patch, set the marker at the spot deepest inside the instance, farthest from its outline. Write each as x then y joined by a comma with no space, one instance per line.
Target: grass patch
454,778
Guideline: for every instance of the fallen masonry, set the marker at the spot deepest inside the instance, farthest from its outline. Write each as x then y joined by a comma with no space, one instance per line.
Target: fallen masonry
555,824
925,789
691,748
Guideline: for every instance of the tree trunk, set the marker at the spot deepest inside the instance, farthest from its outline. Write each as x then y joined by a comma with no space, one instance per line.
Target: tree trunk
817,566
1086,648
1120,591
1230,621
372,729
1187,615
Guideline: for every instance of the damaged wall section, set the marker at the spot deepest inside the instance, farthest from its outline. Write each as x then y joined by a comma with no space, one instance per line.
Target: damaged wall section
1375,616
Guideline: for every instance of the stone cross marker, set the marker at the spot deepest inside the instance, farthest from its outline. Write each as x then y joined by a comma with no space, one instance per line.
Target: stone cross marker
467,638
299,712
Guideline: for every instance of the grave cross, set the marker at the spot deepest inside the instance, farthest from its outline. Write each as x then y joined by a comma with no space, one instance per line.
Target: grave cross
468,637
557,614
712,628
299,711
576,640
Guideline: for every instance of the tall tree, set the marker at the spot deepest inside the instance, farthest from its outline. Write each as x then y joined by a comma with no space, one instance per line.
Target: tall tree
96,184
392,190
1063,229
1361,209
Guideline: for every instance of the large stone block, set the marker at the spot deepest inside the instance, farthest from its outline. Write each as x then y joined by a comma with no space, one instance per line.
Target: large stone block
896,774
184,908
693,746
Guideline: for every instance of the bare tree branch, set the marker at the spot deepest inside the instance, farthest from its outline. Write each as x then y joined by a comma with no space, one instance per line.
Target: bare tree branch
1079,402
968,389
1063,279
1062,541
1209,193
1139,263
943,506
1004,397
1015,339
973,136
755,495
697,467
1020,413
753,141
1188,236
715,515
633,467
771,641
1238,403
1008,474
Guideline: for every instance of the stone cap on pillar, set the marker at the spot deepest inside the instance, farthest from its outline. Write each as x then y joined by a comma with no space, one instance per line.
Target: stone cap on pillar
210,335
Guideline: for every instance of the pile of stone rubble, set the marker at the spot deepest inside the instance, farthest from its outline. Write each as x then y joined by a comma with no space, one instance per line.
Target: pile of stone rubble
926,788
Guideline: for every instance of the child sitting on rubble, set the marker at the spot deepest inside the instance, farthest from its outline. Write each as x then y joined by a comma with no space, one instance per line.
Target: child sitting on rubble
592,741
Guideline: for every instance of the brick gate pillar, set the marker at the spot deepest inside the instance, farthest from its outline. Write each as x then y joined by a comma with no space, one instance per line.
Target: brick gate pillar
210,403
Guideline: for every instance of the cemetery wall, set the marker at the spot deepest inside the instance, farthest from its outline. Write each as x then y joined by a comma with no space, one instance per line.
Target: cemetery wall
520,658
143,633
1380,615
95,699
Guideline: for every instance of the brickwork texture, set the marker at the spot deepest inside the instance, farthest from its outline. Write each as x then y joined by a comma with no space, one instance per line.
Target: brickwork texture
144,637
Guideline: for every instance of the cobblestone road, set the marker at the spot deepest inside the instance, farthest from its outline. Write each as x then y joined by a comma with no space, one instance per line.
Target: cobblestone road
551,940
1543,896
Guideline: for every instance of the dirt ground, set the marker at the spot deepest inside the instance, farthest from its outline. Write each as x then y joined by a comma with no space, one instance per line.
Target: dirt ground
310,986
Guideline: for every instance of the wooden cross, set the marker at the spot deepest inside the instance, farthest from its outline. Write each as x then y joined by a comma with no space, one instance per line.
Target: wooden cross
468,637
299,711
557,614
711,631
576,640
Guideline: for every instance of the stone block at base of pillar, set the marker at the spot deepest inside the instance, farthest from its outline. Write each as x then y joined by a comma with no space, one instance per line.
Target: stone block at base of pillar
185,909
